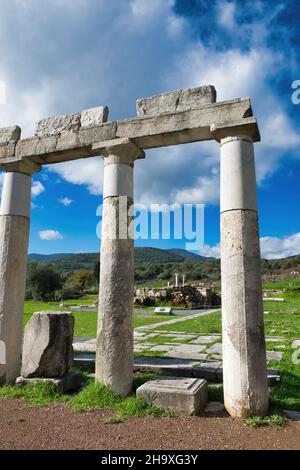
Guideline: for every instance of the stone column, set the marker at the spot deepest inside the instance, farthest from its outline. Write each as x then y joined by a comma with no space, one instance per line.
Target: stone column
244,354
114,357
14,235
183,280
176,280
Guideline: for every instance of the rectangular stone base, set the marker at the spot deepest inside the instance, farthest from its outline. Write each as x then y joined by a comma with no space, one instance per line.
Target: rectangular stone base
179,394
67,383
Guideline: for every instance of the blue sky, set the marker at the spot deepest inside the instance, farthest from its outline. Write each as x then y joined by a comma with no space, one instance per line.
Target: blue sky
64,56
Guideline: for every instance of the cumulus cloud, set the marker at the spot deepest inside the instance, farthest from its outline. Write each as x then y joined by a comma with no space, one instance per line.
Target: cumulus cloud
65,201
58,69
50,235
37,188
211,251
226,15
271,247
274,247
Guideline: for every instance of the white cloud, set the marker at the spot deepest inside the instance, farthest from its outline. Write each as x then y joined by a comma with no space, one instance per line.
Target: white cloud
271,247
50,235
65,201
49,81
274,247
211,251
37,188
87,172
226,15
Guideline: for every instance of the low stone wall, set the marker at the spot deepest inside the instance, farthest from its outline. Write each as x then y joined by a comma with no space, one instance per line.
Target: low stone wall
184,296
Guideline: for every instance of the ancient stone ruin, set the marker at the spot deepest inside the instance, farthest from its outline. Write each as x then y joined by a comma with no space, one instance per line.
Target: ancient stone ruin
171,119
48,350
189,296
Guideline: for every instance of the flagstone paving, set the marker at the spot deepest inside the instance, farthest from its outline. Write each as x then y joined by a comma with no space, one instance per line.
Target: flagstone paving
179,350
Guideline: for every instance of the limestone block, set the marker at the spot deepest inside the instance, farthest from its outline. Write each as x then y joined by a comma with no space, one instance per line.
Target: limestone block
69,382
180,100
57,125
47,349
10,134
94,116
181,395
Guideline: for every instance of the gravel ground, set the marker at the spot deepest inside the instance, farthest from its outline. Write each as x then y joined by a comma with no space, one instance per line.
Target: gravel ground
56,427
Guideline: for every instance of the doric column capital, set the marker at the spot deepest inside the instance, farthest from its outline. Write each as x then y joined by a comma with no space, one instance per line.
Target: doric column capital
25,166
121,150
243,129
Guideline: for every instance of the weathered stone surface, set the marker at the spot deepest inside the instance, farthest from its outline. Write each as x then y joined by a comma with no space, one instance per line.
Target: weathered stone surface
14,234
244,353
69,382
10,134
47,349
296,344
176,101
94,116
57,125
181,395
215,349
148,132
274,356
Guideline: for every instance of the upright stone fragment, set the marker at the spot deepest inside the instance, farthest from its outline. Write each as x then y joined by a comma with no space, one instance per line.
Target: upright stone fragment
14,234
94,116
180,100
10,134
57,125
48,349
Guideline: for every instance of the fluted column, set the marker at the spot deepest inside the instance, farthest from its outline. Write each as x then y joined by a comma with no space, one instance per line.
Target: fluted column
14,236
114,357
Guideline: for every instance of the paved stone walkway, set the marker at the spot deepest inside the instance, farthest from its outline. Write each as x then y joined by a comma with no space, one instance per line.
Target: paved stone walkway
184,349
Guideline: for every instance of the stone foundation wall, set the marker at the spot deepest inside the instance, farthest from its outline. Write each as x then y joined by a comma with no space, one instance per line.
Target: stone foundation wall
184,296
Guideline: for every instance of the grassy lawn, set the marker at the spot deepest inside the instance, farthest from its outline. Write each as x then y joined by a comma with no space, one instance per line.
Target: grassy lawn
281,319
203,325
86,322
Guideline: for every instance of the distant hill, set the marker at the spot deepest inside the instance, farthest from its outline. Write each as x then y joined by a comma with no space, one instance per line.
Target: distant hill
72,261
47,258
155,255
188,255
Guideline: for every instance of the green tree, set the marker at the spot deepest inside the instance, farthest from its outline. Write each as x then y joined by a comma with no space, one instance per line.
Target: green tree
81,280
43,281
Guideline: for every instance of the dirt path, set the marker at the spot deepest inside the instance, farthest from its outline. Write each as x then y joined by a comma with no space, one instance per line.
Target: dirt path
55,427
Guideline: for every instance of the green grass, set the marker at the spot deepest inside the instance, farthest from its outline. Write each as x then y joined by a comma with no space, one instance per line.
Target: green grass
207,324
86,322
273,420
92,396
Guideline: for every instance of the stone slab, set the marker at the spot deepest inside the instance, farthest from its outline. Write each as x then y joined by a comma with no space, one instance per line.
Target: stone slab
10,134
274,356
274,339
176,101
215,349
296,344
204,340
67,383
294,415
147,132
57,125
181,395
94,116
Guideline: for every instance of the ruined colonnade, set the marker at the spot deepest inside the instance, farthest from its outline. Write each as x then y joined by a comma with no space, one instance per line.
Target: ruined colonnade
170,119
